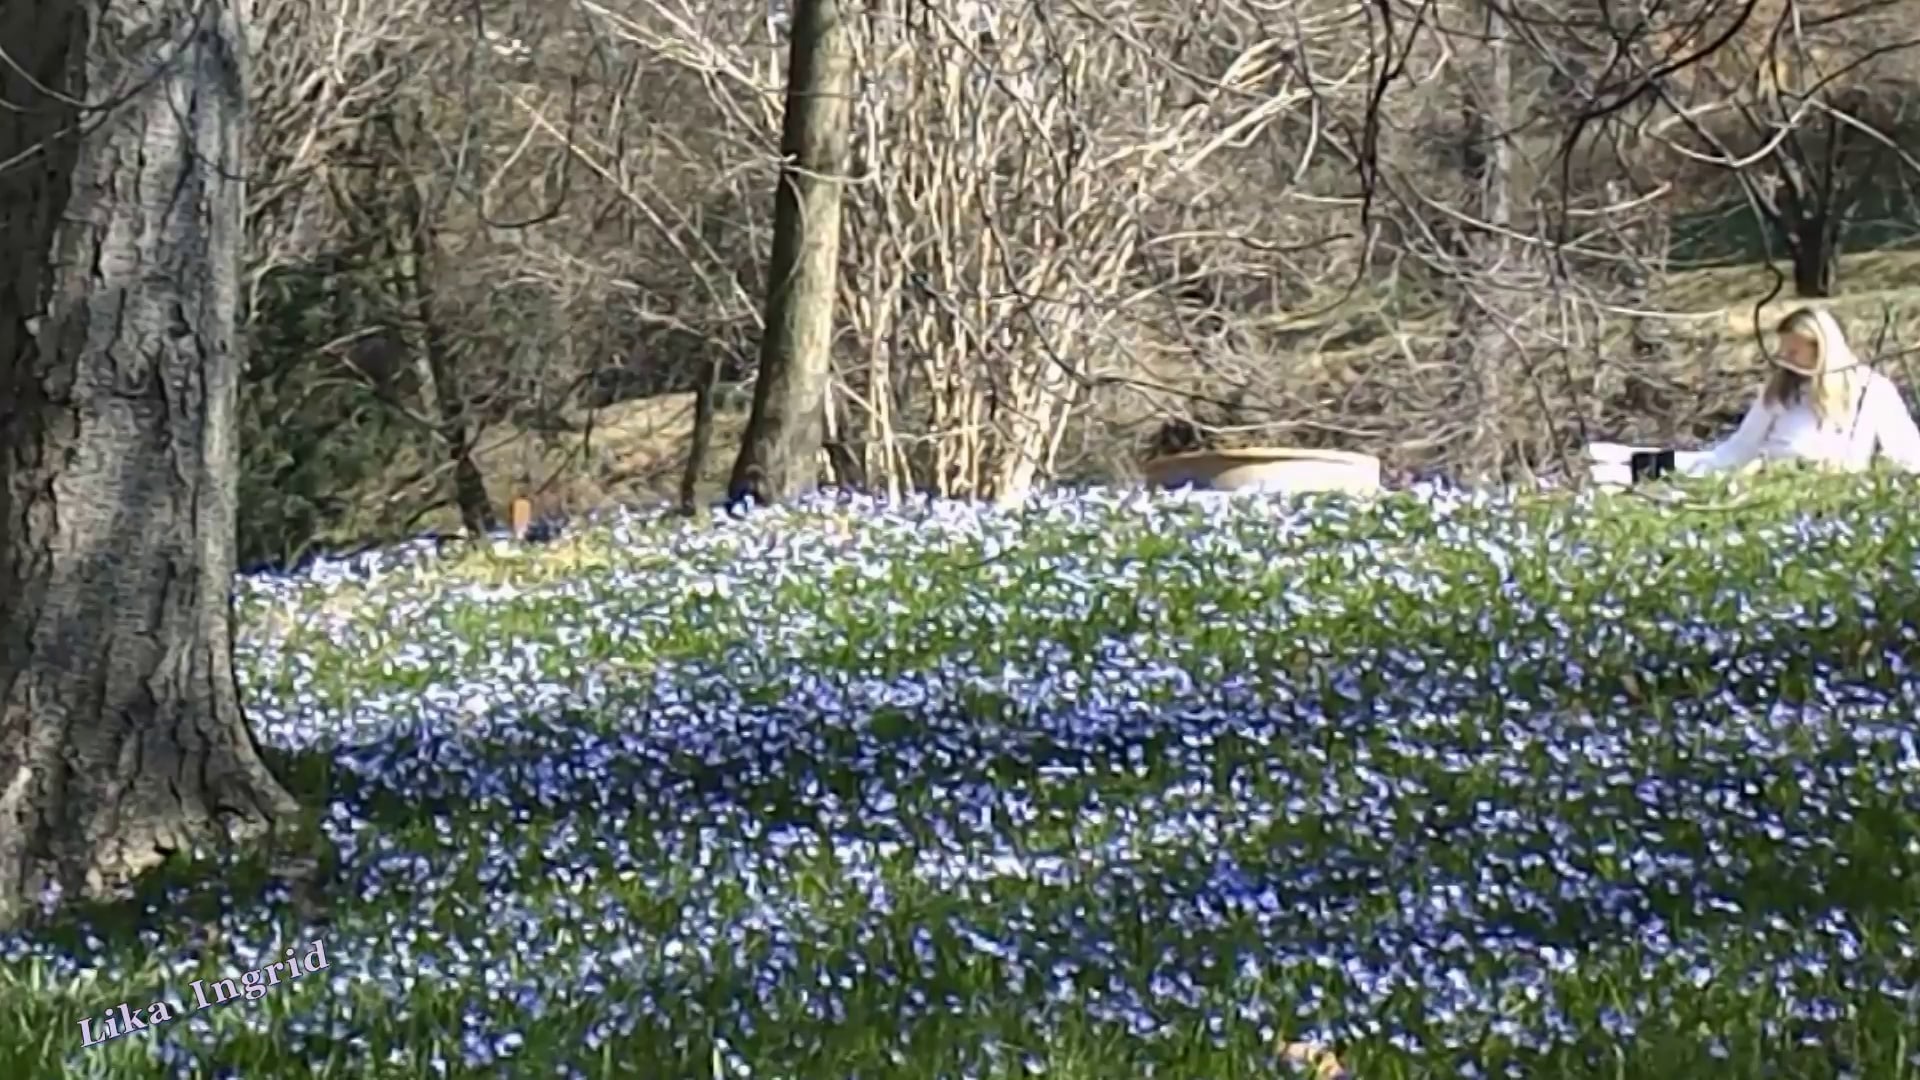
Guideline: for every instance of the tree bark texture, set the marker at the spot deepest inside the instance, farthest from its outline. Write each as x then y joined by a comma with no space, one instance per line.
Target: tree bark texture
779,453
1482,340
121,196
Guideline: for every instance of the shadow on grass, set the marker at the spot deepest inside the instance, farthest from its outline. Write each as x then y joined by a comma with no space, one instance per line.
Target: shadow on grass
294,868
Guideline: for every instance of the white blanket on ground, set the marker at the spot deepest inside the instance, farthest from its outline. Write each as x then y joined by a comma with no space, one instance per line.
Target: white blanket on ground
1612,463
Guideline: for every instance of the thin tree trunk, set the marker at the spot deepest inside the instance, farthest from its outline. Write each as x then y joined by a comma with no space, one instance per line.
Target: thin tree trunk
1482,339
842,462
1496,172
700,446
1819,197
121,734
780,450
445,389
1813,257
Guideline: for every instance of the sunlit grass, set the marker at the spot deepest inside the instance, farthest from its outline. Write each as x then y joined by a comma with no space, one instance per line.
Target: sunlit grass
1107,787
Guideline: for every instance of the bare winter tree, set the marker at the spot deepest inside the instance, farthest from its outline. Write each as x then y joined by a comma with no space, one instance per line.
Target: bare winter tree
1314,222
1805,104
1035,186
783,438
1481,337
414,266
121,201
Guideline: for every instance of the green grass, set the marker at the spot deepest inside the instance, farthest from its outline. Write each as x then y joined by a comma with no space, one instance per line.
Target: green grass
1612,787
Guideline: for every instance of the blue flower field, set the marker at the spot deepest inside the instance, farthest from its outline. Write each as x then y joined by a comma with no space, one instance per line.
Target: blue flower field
1110,786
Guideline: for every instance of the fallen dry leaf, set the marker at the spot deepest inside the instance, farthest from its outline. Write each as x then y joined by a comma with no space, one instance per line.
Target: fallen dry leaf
1318,1059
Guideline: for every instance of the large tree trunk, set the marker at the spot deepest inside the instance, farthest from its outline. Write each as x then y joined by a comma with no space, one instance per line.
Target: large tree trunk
780,450
121,735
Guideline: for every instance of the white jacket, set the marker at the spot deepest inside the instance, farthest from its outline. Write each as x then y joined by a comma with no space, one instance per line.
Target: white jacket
1771,433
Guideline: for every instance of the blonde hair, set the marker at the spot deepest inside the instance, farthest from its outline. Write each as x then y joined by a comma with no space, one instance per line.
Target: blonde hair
1836,370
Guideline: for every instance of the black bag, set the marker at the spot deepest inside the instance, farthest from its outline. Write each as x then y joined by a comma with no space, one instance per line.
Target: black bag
1650,464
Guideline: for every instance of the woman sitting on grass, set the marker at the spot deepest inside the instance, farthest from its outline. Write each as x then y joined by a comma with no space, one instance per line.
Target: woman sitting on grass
1822,404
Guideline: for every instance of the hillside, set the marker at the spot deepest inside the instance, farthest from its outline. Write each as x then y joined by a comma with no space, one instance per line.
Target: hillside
1113,787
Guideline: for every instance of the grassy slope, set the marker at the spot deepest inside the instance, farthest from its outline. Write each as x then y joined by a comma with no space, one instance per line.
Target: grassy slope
1708,327
1107,789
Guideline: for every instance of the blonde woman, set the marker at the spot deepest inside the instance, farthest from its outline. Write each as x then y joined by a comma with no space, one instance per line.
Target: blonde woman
1821,404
